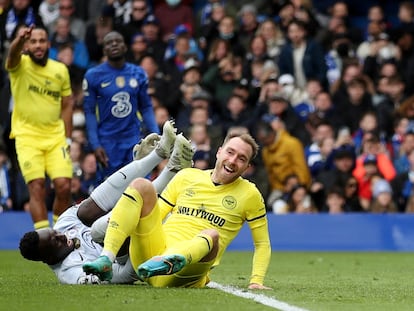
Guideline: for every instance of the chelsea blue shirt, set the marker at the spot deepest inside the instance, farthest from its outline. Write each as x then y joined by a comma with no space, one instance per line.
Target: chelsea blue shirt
115,103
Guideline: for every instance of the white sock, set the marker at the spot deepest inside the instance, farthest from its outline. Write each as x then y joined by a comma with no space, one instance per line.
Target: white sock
108,193
163,179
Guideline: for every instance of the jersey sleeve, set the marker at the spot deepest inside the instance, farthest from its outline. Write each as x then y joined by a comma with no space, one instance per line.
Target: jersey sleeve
89,107
257,221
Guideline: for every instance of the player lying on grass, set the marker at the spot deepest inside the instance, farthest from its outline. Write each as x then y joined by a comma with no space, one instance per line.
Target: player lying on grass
67,246
206,209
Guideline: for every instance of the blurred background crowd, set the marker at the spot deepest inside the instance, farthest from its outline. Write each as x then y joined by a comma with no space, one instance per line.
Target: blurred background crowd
326,88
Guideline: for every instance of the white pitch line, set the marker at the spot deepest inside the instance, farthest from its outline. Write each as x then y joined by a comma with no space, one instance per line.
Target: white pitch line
260,298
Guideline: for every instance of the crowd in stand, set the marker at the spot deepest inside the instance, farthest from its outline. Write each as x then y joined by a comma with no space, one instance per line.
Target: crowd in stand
331,102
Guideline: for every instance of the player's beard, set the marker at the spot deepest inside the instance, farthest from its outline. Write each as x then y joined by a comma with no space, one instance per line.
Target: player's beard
40,61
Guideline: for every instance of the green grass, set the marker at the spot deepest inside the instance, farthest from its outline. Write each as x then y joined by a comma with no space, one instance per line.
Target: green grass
313,281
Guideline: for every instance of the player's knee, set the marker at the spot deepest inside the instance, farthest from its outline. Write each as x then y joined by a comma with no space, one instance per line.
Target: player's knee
98,228
213,234
143,186
62,187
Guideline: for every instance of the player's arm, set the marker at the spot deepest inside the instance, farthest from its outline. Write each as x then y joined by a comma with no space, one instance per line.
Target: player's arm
66,114
89,107
16,47
262,252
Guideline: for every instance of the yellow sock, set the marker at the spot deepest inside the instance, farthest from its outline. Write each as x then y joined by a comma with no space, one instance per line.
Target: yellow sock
193,250
41,224
55,218
124,219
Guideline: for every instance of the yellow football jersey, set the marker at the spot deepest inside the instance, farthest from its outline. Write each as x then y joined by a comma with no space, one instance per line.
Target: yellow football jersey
195,204
37,93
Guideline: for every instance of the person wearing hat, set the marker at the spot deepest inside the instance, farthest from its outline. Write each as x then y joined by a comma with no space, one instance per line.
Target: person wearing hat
152,33
382,200
248,24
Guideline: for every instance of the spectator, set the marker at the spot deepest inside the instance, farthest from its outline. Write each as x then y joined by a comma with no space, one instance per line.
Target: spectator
273,37
300,202
91,176
280,205
248,24
139,11
137,48
119,90
209,26
382,198
279,107
20,13
77,25
403,185
352,105
401,161
227,31
302,57
63,36
201,159
120,11
42,113
221,80
172,13
282,156
157,83
65,54
49,12
406,16
350,190
95,32
161,115
343,163
371,145
237,114
151,30
317,153
6,202
335,201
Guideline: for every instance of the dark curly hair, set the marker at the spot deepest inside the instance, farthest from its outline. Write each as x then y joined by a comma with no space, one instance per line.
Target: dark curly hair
29,246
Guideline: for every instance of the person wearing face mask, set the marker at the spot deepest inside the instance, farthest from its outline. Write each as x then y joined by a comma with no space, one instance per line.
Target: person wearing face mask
172,13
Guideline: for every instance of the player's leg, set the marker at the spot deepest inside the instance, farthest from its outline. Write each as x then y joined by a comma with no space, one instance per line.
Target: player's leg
146,155
180,158
32,166
202,248
137,201
60,170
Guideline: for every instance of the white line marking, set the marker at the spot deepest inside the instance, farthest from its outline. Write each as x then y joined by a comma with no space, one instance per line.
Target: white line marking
260,298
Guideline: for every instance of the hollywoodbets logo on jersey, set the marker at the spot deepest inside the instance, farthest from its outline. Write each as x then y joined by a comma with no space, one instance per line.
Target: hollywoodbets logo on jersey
43,91
203,214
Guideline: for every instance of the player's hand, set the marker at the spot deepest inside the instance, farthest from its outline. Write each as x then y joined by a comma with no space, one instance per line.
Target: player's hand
101,156
24,33
258,286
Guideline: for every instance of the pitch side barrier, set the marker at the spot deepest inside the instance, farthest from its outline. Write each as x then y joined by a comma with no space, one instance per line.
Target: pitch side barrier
320,232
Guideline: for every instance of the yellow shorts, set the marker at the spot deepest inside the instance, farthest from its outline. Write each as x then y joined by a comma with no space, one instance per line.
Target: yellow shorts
38,157
149,240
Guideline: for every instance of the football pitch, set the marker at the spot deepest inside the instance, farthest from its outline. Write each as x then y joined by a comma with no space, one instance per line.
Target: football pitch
300,281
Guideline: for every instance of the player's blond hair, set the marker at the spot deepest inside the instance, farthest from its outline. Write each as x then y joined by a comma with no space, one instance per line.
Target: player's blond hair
247,138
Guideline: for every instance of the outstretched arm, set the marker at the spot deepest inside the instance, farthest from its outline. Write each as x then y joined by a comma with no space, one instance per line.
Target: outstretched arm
16,47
